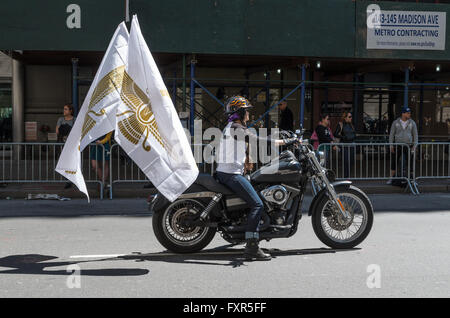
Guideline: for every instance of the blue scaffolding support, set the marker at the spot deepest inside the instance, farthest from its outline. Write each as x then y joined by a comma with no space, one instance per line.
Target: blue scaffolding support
302,97
405,95
75,86
192,99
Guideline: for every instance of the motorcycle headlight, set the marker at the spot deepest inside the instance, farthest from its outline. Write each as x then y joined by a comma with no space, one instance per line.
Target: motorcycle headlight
321,157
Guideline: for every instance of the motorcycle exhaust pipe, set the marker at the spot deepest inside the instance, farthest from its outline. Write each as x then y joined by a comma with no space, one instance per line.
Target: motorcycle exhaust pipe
262,236
242,228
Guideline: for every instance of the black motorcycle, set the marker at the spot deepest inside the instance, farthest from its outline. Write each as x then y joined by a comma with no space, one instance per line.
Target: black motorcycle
341,214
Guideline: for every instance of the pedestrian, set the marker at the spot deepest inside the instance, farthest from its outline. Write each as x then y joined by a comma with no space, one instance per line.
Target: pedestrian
345,133
286,117
403,130
97,153
64,124
322,135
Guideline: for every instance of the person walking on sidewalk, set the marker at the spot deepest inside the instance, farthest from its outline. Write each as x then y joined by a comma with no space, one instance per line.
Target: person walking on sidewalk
65,123
403,130
345,133
286,117
98,153
64,126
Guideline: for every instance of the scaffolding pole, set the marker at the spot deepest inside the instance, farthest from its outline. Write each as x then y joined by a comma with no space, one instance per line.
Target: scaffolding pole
75,85
192,98
302,97
405,96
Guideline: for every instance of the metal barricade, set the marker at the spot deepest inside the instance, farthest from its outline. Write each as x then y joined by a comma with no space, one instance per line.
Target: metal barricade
124,170
36,163
370,161
431,161
23,162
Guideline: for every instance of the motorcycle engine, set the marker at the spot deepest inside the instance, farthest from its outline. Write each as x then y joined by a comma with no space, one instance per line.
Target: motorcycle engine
275,194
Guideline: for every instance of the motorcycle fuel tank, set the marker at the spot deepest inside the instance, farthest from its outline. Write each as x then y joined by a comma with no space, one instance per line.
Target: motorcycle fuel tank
278,171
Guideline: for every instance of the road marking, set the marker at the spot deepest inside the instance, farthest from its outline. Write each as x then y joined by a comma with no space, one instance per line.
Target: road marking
97,256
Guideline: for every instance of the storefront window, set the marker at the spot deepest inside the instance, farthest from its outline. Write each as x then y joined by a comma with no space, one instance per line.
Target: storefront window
435,115
375,111
442,111
5,112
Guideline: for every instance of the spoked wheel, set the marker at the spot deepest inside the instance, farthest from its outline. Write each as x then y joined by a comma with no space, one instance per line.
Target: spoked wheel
338,231
174,230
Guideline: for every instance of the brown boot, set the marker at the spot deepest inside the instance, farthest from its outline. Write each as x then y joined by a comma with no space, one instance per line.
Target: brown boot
254,253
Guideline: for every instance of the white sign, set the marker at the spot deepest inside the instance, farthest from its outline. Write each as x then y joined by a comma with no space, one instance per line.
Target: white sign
405,30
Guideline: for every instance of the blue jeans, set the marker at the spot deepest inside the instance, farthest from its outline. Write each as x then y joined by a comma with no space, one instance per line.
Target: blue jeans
245,191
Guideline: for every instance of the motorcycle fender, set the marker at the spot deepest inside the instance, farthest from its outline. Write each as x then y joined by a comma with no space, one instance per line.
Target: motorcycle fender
338,184
159,202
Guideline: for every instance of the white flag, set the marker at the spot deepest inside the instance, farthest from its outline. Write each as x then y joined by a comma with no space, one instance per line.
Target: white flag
129,95
97,114
148,126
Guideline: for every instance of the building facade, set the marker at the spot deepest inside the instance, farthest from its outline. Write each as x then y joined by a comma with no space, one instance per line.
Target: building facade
263,49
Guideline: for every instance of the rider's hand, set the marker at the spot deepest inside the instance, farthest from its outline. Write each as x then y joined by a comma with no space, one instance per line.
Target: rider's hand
289,141
248,167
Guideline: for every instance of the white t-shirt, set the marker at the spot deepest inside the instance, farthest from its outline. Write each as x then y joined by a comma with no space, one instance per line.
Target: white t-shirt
404,123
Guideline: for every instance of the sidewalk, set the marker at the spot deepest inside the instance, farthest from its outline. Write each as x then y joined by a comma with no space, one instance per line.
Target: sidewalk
137,207
137,190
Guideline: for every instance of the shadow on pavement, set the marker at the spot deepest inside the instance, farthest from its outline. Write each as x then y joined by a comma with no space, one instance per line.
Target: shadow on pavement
36,264
233,257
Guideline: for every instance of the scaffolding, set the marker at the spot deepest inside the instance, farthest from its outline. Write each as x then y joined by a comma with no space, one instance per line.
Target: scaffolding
184,89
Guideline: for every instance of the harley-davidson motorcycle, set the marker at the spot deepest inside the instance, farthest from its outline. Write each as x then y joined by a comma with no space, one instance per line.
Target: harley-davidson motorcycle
341,214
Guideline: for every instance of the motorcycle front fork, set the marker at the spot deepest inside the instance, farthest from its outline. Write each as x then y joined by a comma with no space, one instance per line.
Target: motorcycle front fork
322,179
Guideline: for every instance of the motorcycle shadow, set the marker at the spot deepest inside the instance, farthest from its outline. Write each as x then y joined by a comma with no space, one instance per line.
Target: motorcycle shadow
37,264
231,256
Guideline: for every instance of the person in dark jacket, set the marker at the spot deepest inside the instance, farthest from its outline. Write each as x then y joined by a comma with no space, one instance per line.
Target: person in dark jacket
65,123
323,131
345,133
287,118
325,136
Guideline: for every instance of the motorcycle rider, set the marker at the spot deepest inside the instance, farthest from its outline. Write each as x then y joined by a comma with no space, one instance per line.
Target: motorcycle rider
232,163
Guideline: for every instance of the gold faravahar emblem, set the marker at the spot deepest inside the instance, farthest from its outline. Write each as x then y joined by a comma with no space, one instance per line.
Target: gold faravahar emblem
110,82
140,120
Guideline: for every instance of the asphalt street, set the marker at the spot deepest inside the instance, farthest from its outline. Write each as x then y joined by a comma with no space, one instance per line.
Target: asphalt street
45,244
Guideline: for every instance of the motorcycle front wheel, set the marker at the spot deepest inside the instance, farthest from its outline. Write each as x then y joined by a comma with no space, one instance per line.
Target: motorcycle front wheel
174,233
339,232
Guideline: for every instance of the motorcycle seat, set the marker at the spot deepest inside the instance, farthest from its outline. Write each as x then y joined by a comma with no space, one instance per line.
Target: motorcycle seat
210,183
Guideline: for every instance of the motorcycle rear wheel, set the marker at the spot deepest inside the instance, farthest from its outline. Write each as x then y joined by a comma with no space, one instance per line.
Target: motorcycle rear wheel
336,232
174,235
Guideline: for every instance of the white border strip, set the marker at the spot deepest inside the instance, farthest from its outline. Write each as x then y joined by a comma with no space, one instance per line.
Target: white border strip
98,256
